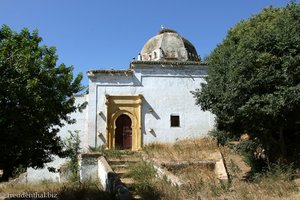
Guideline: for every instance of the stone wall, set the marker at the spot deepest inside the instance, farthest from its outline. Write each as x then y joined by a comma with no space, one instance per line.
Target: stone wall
94,167
103,170
88,166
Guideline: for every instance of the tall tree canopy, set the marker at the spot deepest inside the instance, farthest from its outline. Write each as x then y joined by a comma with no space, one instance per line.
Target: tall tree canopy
253,83
36,97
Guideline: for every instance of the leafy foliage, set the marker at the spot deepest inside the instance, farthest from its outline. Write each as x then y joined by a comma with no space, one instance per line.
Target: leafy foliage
253,83
253,155
276,172
36,97
72,149
222,137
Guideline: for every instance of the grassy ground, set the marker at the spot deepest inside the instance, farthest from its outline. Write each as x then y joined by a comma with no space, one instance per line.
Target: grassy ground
202,183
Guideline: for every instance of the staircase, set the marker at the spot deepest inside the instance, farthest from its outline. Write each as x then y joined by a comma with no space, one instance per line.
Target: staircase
120,165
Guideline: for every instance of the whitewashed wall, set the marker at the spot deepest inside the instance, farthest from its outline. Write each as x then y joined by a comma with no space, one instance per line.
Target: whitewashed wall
165,89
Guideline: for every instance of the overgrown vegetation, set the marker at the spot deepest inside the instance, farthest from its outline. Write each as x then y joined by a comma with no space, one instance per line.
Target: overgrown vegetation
17,171
72,150
222,137
144,174
275,182
253,84
110,153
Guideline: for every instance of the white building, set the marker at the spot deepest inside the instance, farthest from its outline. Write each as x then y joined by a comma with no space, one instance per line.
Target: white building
149,102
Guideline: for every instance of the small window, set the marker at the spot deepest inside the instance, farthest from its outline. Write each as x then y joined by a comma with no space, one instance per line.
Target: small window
175,121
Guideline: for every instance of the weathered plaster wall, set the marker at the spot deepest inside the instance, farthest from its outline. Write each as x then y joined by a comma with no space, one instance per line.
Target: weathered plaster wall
166,89
88,166
81,122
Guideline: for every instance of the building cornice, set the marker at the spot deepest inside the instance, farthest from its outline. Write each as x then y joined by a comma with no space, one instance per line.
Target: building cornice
127,72
179,63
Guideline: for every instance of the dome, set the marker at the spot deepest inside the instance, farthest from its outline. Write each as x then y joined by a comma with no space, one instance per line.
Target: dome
168,45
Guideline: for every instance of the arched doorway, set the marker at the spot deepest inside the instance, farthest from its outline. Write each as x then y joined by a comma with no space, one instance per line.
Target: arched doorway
123,132
131,106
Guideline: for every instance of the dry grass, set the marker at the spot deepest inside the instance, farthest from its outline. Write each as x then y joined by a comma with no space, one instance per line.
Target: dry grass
30,187
201,182
195,175
189,149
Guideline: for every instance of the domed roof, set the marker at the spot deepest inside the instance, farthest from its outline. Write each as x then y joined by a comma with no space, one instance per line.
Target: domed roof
168,45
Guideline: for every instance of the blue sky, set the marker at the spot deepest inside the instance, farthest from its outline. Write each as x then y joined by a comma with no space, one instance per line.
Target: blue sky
105,34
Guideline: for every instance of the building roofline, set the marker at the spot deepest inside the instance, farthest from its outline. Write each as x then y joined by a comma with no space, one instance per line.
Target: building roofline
201,63
79,95
105,71
130,71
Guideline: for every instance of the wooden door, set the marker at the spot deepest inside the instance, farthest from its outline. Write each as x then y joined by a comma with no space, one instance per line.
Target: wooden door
123,134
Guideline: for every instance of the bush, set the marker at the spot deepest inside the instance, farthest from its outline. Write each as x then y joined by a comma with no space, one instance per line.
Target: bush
144,174
222,137
72,150
276,172
252,153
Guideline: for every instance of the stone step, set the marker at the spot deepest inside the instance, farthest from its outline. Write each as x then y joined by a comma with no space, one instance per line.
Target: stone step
118,162
136,197
121,171
127,152
119,166
135,157
126,158
128,181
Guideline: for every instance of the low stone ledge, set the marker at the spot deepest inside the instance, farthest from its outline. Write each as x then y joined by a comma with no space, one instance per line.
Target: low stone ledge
217,166
161,172
103,171
220,169
210,164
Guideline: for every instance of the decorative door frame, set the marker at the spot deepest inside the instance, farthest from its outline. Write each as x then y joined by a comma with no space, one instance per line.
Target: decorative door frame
128,105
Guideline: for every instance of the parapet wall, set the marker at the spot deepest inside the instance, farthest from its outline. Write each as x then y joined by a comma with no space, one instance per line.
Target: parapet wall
88,166
94,167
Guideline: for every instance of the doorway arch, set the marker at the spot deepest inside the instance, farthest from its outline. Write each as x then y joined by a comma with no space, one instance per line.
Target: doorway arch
130,106
123,132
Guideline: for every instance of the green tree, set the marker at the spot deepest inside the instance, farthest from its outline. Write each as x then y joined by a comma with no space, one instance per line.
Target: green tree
253,83
36,97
